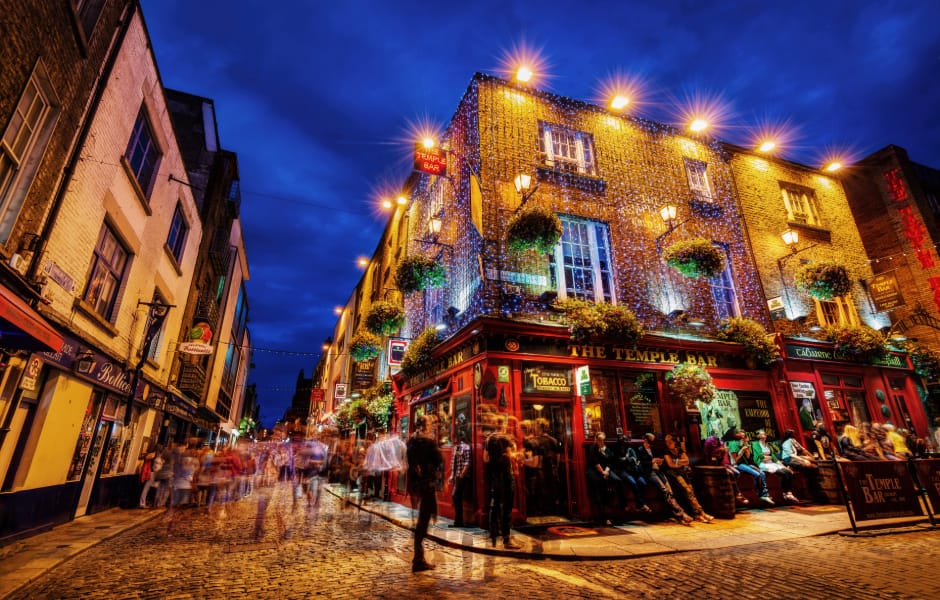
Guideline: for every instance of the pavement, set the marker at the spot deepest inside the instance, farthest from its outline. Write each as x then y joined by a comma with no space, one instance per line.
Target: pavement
26,560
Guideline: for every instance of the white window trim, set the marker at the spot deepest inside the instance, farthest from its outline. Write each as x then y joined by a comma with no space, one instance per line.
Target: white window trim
808,212
595,263
845,310
549,130
699,184
736,306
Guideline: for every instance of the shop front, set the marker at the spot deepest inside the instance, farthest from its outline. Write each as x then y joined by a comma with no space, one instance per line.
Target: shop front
556,396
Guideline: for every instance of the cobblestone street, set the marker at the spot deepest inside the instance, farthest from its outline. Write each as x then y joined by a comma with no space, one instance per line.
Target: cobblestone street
345,553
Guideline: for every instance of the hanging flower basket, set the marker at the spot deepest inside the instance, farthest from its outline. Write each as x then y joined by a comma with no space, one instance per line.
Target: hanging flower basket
752,335
823,281
690,383
862,343
419,355
533,228
385,318
365,346
926,361
696,258
588,321
417,273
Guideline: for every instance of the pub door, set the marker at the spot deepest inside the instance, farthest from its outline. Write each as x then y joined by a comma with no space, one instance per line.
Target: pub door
548,443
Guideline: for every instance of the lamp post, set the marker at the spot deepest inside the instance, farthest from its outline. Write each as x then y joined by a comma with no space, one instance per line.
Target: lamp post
157,314
791,238
524,188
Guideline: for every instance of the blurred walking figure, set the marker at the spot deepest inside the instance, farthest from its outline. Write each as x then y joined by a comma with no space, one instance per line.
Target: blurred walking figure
164,479
498,454
425,464
148,475
460,476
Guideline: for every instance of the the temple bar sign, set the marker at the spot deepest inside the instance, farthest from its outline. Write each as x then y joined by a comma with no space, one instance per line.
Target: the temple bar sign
885,292
430,160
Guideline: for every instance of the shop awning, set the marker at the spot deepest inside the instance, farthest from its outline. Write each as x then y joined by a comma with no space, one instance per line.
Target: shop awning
23,328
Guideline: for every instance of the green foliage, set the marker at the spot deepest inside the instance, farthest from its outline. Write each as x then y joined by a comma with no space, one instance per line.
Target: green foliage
385,318
533,228
861,342
365,346
419,355
378,405
588,321
696,258
350,414
752,336
417,273
823,281
926,361
689,383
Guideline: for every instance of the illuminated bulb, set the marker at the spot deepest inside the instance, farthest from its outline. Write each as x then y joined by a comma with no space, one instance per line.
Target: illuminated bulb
363,262
698,125
428,142
402,200
338,310
767,146
386,203
833,166
524,74
619,102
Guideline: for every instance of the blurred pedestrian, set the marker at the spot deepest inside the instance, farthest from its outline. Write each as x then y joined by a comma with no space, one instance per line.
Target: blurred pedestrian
498,453
460,476
148,475
425,464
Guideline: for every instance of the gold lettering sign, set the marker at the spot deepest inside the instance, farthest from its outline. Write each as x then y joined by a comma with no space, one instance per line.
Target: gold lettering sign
651,355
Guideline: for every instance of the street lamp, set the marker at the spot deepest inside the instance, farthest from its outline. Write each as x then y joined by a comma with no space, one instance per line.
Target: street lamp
791,238
524,188
157,314
668,214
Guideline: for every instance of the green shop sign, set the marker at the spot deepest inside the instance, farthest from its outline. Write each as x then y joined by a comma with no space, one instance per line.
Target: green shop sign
893,360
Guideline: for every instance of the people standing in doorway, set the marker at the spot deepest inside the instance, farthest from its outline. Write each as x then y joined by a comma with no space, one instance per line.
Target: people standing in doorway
460,476
498,453
424,467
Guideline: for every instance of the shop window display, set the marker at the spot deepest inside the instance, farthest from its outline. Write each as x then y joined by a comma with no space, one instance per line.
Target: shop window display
601,410
85,435
642,404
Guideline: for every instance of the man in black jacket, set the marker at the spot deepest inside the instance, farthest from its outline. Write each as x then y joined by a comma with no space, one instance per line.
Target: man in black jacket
425,466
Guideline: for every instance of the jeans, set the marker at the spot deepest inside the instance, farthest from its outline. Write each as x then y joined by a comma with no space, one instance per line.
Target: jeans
598,484
460,489
760,480
659,480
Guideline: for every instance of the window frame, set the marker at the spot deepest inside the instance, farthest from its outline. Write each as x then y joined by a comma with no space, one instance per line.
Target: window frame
837,312
178,233
118,272
151,150
599,274
808,211
19,159
725,281
700,187
552,138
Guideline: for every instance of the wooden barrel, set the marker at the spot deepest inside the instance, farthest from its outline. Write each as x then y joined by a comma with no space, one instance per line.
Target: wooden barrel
714,490
829,491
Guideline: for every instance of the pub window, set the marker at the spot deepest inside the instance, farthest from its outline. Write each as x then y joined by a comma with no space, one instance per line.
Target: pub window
580,266
845,399
697,172
837,312
566,149
602,406
800,204
108,268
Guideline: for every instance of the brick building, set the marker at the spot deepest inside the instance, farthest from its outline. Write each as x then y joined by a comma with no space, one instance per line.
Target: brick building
627,191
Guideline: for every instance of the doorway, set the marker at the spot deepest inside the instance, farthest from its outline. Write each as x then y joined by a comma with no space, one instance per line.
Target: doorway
102,433
548,445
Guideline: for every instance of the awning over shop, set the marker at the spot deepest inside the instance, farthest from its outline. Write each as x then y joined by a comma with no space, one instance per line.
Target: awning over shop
21,327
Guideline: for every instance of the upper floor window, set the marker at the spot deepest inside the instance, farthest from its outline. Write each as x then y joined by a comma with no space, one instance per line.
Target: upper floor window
581,265
179,229
800,203
697,172
240,318
838,312
566,149
23,144
108,268
723,292
143,154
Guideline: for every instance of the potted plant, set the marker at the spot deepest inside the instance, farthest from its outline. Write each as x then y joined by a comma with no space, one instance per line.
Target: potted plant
823,281
417,273
690,384
587,321
861,342
365,345
696,258
378,405
385,318
752,335
533,228
926,361
418,356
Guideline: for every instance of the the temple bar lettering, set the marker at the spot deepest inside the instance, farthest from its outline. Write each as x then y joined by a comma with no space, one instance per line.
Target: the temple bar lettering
642,356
